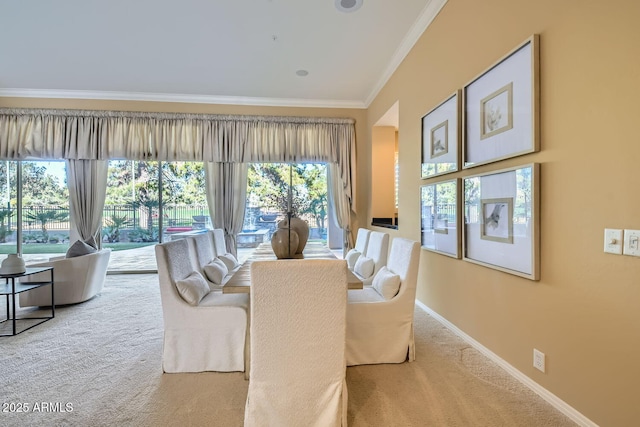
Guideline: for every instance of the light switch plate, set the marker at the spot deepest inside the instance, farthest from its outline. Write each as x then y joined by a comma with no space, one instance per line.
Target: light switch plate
613,241
632,242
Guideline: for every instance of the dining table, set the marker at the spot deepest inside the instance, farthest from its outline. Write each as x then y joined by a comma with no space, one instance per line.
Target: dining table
240,282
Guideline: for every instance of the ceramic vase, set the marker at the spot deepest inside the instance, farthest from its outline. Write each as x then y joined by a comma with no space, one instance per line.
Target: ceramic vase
12,264
284,243
301,227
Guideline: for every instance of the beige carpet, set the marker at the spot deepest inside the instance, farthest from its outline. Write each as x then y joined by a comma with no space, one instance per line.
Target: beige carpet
98,364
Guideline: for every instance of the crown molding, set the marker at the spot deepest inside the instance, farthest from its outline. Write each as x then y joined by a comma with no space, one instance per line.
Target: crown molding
189,99
427,16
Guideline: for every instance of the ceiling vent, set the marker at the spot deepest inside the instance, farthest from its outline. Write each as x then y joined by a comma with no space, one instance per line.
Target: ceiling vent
348,5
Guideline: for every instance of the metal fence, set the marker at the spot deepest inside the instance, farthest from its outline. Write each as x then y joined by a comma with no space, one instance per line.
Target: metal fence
173,215
127,218
136,217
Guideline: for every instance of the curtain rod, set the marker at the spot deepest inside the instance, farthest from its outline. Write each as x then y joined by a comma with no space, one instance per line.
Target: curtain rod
173,116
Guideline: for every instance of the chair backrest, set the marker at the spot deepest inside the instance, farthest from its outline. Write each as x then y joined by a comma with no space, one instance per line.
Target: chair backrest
174,263
404,258
219,243
298,322
362,240
174,260
202,248
377,249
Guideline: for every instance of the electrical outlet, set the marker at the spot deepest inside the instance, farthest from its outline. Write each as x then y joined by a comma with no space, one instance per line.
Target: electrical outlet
538,360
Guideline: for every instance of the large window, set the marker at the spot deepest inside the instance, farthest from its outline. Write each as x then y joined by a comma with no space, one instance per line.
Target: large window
270,186
43,212
145,198
134,213
150,202
45,208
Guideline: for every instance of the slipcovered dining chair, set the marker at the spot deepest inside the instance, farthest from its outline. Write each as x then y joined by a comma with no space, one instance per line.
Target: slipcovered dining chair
362,241
203,330
380,318
221,250
373,259
219,244
297,368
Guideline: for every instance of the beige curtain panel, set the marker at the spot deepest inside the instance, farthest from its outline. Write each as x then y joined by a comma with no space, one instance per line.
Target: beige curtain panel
87,181
226,188
104,135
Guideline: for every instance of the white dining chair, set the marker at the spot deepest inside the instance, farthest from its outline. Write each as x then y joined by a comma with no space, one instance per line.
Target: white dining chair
219,243
207,333
362,241
221,250
373,259
297,367
380,317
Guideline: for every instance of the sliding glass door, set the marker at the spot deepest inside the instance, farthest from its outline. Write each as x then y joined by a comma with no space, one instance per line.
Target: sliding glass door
150,202
147,203
273,189
34,211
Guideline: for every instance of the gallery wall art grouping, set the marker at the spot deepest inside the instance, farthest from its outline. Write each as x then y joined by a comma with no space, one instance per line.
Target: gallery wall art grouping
489,218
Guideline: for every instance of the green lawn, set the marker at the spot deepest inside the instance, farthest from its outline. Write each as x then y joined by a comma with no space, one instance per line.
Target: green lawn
54,248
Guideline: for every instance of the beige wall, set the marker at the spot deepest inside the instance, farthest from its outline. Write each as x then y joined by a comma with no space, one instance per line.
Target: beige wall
584,312
383,148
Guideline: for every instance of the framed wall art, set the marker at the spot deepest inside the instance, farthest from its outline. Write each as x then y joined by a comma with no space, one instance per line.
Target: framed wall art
501,108
501,220
440,220
441,138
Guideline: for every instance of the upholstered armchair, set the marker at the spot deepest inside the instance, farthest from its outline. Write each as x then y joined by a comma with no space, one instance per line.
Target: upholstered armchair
298,371
380,317
76,279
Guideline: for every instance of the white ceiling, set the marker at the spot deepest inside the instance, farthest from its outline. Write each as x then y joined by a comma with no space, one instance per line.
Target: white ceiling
208,51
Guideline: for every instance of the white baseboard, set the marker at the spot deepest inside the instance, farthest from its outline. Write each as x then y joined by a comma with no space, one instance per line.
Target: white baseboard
554,400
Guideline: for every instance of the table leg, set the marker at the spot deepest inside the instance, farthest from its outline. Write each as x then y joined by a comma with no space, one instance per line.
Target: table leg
6,281
53,303
13,302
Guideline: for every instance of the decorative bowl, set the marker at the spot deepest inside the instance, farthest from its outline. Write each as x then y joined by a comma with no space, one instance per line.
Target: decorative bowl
12,264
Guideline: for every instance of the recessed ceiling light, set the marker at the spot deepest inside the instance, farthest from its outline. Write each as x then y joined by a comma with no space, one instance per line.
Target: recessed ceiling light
348,5
302,73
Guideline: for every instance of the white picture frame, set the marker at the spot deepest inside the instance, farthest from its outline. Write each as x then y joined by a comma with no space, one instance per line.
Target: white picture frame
441,138
440,218
501,108
501,220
